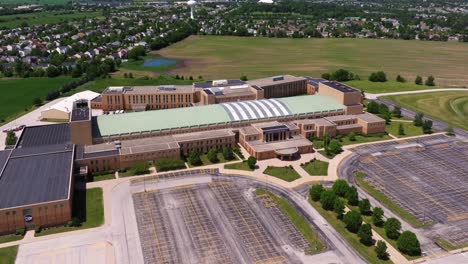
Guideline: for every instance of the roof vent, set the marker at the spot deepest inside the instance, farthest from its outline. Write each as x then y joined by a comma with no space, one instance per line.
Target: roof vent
167,88
219,82
277,78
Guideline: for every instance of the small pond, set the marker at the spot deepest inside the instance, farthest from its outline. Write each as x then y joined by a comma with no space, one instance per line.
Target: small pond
158,62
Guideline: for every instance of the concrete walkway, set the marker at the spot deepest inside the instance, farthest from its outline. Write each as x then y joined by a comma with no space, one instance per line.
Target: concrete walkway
375,96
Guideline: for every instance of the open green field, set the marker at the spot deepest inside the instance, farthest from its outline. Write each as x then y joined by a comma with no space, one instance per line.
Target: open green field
388,87
37,18
410,129
88,207
231,57
8,255
18,94
284,173
451,107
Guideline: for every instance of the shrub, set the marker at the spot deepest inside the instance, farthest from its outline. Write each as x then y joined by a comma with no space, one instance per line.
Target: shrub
38,229
37,101
20,232
326,76
140,168
408,243
352,196
74,222
213,155
427,126
342,75
243,78
352,136
400,79
338,208
194,158
418,119
228,154
10,138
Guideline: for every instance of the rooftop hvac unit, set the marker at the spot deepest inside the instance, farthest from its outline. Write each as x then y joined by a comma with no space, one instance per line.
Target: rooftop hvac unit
219,82
277,78
167,88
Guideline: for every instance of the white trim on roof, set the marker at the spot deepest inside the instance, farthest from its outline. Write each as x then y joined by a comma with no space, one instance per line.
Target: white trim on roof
232,111
275,109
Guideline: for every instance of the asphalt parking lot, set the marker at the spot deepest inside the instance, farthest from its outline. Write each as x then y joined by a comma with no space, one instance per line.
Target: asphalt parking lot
427,177
217,222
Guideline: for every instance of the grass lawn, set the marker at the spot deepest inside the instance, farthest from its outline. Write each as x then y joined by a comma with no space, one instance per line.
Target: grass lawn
388,86
9,238
284,173
331,156
88,207
137,65
206,161
48,2
316,245
389,203
224,57
103,177
451,107
243,165
18,94
344,140
366,252
8,255
447,245
410,129
316,168
46,17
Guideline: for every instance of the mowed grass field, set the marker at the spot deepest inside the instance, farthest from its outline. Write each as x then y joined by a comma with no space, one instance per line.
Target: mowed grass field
451,107
231,57
18,94
49,17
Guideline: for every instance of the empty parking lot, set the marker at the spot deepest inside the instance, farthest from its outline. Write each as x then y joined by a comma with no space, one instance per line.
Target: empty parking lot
217,222
427,177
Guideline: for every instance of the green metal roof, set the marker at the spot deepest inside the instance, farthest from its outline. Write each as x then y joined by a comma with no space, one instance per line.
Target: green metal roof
108,125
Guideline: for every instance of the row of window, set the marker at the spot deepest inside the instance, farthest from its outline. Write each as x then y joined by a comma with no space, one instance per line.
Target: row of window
163,98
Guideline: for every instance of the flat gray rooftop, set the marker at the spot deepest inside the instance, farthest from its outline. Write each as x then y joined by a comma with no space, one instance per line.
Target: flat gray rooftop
44,135
36,179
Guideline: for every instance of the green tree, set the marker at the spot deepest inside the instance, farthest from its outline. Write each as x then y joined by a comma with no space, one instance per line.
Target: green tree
251,161
326,76
228,154
353,221
352,136
418,119
379,76
327,199
377,216
338,207
364,207
315,192
342,75
140,168
194,158
401,130
427,126
418,80
381,250
352,196
10,138
340,187
392,228
400,79
396,111
408,243
335,147
373,107
430,81
136,53
365,234
243,78
212,155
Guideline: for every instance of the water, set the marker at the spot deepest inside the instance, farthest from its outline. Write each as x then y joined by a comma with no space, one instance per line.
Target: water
158,62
